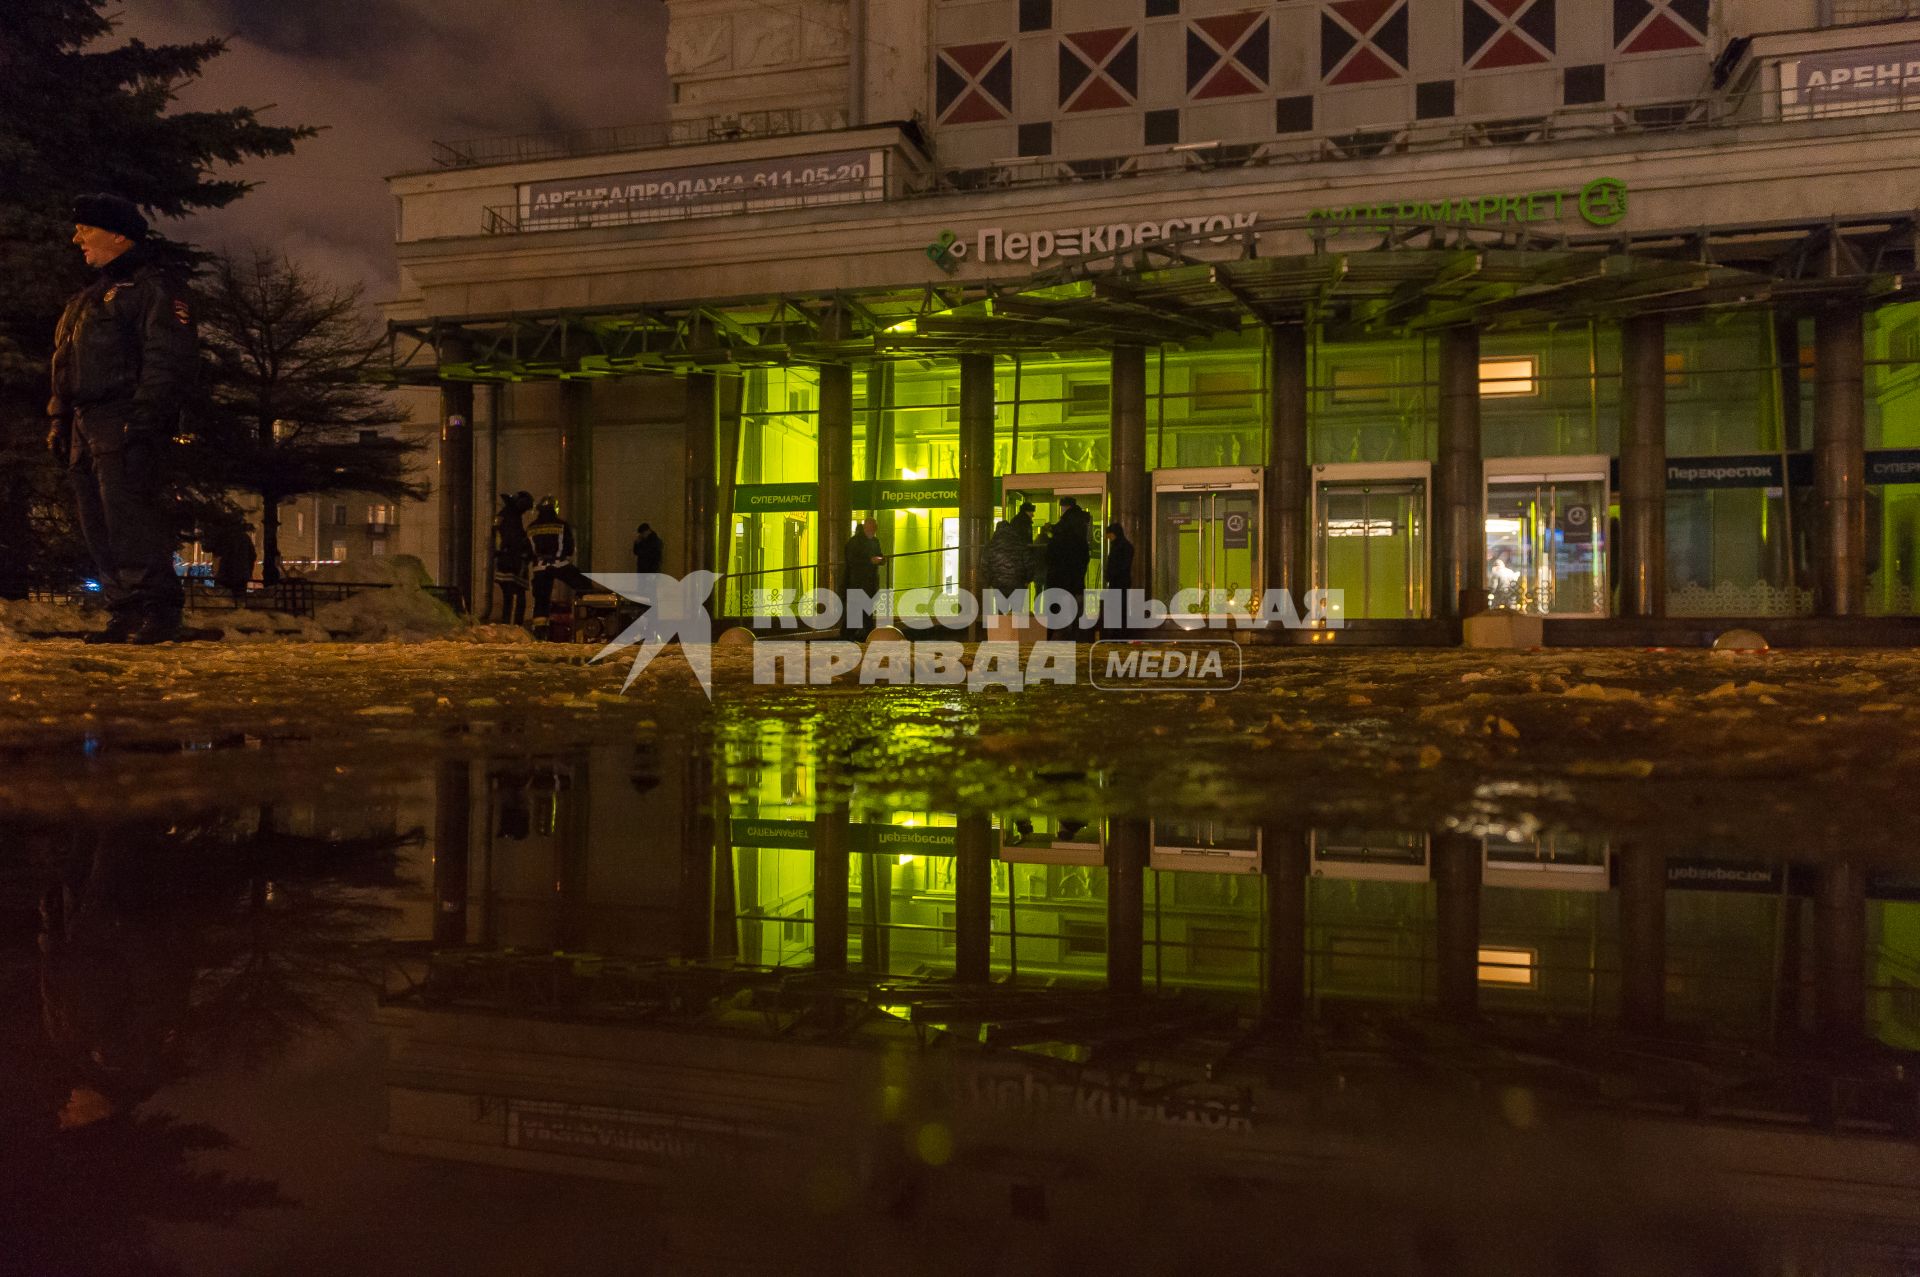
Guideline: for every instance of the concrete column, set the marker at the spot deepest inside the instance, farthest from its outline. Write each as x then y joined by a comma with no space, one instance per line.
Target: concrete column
1456,932
1129,492
973,900
1840,460
698,513
1286,862
832,836
1289,484
1840,955
576,466
976,468
1129,843
1459,481
455,488
1643,467
452,844
1643,940
836,471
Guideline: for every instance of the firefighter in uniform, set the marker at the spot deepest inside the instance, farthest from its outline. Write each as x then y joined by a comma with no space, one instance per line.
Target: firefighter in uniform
553,550
125,355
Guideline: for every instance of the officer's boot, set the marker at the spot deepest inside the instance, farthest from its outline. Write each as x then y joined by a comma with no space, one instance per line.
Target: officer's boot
161,627
121,627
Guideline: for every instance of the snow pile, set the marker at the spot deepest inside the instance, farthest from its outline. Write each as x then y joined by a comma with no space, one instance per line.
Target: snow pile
247,626
403,610
23,618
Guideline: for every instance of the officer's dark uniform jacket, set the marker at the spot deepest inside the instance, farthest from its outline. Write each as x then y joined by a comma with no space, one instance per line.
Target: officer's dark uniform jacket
125,355
552,538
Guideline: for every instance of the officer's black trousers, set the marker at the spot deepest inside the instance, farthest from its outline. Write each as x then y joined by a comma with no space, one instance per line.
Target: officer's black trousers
117,494
543,580
513,600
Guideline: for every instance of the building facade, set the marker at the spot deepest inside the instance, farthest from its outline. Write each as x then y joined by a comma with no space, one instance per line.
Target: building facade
1592,311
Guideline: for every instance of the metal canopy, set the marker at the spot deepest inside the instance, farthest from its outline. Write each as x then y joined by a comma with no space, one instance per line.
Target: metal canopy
1411,279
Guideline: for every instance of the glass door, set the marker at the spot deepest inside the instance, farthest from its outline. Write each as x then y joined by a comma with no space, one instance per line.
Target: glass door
1547,541
1206,535
1370,542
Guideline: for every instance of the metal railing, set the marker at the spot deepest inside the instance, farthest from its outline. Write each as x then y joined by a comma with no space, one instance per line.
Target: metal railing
1572,123
523,147
297,596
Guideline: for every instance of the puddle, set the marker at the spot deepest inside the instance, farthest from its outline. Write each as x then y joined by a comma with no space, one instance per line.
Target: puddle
1026,1014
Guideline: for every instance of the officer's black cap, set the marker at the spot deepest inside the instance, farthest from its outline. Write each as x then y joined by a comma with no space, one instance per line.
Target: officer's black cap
110,213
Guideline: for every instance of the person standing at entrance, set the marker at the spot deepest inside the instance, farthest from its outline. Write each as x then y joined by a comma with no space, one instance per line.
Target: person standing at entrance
1008,557
862,579
648,549
1067,557
1116,580
553,550
512,556
125,354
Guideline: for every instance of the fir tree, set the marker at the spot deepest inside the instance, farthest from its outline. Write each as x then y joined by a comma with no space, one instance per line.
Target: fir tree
292,406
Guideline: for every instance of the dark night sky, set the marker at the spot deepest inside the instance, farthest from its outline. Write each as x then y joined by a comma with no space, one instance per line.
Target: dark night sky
388,77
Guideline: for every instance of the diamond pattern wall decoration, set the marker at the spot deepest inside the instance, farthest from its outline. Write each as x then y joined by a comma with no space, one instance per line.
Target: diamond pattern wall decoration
1099,70
1228,56
1506,33
973,83
1362,41
1659,26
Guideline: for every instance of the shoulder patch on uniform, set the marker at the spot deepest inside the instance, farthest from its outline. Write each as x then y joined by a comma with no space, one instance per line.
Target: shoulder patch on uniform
180,311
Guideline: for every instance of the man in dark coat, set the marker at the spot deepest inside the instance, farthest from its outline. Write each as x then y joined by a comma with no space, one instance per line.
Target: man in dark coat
1009,553
125,354
1067,557
648,549
512,556
233,557
1116,579
861,578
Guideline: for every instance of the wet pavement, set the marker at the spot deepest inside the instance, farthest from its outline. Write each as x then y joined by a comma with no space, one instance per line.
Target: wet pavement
448,958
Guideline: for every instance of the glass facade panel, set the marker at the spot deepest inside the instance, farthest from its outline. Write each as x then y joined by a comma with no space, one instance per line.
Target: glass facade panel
1207,403
1569,404
1371,401
1893,423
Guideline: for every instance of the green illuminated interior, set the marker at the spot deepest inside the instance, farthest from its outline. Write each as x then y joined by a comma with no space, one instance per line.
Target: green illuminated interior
1730,389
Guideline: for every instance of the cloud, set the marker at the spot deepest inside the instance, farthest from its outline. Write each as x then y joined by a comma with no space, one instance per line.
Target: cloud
385,78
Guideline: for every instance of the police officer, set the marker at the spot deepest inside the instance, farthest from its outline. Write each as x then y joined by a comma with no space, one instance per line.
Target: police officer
125,354
553,550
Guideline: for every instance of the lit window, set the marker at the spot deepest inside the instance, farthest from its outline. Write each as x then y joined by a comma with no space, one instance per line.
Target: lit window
1676,370
339,551
1513,967
1507,378
1359,385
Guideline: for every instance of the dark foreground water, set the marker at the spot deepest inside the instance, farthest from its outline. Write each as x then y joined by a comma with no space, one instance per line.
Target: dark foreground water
727,1002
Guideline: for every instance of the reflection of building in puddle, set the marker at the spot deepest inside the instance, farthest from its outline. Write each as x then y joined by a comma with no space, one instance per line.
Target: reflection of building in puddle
651,857
833,1000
